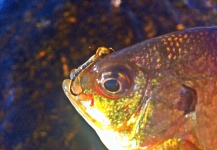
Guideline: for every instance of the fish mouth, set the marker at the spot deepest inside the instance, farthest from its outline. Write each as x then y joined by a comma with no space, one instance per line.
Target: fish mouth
66,85
84,107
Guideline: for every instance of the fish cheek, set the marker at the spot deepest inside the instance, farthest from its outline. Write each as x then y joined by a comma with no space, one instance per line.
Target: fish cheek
188,99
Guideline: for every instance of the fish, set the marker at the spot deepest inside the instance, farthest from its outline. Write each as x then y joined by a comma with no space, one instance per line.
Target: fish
158,94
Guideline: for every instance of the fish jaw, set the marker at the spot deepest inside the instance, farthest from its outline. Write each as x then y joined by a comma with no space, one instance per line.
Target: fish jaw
84,108
111,138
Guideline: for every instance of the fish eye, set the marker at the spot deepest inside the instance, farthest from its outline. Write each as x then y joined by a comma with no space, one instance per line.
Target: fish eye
112,85
114,82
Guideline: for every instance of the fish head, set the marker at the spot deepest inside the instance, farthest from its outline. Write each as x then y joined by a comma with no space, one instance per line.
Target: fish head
127,105
101,91
160,93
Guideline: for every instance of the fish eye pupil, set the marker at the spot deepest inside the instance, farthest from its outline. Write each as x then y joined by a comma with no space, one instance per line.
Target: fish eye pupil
112,85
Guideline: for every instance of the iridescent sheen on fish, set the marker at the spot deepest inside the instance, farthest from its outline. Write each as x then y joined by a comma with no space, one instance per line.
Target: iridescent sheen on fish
157,94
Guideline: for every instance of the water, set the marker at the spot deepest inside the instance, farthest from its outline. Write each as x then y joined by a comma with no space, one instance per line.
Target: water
1,3
41,41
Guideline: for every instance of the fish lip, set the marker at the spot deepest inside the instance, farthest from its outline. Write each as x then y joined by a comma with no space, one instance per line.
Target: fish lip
77,105
72,98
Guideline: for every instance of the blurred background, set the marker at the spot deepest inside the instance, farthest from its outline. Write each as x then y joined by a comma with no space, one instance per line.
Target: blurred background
42,40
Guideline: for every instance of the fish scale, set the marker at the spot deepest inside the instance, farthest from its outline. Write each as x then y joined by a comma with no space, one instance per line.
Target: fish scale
162,93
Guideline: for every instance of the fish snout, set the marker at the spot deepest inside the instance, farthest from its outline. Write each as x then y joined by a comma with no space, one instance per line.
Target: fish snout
74,91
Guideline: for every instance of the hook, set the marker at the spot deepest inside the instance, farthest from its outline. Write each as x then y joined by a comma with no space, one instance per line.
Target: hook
101,51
